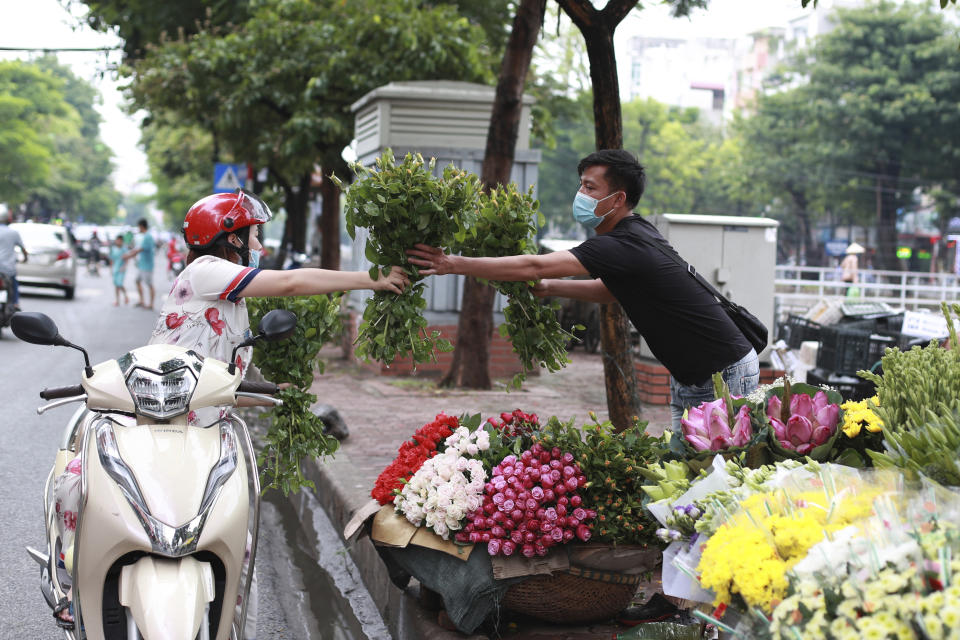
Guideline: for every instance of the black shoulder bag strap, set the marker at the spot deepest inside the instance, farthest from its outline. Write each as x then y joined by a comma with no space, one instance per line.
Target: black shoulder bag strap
751,327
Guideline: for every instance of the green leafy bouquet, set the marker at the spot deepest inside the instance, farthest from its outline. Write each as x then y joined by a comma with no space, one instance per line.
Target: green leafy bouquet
506,225
402,204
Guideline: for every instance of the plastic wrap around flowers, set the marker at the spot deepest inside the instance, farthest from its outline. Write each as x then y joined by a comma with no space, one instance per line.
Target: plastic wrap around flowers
708,428
811,421
530,505
448,486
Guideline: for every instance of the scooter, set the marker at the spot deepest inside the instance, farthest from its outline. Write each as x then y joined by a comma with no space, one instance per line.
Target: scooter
166,532
176,264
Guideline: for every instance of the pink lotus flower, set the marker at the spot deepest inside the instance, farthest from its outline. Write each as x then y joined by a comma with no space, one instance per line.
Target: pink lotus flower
812,421
706,427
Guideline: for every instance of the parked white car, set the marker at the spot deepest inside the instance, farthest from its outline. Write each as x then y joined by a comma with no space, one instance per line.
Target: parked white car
52,259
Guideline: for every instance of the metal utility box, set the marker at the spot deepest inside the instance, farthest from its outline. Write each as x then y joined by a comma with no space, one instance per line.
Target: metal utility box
441,119
737,255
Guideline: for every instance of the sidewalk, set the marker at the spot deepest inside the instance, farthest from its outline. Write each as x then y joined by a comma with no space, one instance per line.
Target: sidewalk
382,412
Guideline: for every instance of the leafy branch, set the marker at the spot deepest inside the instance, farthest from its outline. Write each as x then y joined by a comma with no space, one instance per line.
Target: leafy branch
295,432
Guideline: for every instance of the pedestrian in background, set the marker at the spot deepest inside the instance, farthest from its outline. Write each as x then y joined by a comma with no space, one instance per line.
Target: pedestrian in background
118,262
850,269
144,252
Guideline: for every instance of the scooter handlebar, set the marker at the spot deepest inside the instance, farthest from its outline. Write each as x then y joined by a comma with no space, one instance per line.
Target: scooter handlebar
62,392
268,388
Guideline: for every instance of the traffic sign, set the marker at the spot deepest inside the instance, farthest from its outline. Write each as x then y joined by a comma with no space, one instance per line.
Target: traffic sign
227,178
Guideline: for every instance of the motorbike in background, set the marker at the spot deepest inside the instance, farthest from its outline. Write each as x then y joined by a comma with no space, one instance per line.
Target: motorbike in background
166,530
177,264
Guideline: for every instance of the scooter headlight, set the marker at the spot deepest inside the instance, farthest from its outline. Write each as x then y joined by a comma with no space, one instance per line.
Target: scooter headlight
161,395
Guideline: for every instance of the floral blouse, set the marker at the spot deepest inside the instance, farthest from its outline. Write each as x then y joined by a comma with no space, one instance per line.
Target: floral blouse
204,312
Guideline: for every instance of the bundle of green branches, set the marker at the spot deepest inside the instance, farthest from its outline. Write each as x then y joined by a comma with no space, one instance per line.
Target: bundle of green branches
402,204
506,225
919,404
295,432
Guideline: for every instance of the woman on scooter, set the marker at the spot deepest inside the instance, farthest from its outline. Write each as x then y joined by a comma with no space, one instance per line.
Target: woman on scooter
205,311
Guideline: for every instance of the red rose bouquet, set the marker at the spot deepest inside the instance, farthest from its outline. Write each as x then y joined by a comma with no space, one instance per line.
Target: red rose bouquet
411,456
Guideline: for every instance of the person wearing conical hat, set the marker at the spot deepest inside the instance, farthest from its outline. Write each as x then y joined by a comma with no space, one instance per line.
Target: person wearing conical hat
849,265
850,269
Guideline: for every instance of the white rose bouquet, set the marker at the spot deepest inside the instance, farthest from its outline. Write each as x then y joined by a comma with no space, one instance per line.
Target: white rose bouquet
448,486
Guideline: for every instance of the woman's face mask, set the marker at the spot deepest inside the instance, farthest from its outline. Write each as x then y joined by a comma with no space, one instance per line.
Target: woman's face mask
254,259
585,208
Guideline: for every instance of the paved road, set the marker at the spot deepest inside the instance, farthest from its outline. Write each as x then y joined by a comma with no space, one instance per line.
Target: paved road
295,596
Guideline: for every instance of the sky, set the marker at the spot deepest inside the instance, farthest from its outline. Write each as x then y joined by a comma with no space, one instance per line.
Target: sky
45,23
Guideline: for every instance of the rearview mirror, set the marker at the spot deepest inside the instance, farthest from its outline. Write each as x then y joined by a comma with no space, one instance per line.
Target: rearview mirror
277,324
39,328
36,328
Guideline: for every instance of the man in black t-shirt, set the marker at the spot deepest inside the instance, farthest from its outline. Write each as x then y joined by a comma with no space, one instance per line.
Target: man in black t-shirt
684,325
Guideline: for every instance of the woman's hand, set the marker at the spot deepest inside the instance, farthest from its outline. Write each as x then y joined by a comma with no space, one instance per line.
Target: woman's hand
541,288
395,281
437,263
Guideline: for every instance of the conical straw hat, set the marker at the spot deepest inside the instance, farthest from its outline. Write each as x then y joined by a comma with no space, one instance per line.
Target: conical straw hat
855,248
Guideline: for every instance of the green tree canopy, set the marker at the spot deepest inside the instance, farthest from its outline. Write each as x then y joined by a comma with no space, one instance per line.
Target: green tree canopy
690,167
879,96
276,91
53,160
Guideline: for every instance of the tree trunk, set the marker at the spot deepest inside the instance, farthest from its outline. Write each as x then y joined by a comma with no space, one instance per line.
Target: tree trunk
330,222
597,27
296,200
886,198
471,354
805,230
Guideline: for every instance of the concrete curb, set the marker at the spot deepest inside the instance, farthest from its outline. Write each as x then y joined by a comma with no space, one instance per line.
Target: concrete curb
400,610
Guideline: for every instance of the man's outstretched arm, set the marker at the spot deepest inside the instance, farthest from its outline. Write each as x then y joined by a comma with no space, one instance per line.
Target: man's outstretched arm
586,290
559,264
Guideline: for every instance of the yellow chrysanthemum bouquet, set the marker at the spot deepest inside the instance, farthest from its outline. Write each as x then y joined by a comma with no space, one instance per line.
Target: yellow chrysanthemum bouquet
862,431
747,556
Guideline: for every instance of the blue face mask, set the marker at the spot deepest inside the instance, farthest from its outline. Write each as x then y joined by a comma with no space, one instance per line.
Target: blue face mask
585,209
254,259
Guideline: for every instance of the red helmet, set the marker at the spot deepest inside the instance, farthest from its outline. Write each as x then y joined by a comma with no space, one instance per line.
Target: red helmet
220,214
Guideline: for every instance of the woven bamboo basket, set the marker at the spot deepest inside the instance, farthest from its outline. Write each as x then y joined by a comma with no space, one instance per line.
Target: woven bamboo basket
574,596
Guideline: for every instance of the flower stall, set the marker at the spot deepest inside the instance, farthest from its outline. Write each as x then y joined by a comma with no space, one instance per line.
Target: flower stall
789,513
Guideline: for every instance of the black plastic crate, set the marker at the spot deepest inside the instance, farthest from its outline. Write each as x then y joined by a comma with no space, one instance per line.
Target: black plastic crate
797,330
846,350
850,387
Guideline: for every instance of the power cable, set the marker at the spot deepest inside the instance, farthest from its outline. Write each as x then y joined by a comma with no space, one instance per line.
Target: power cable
62,49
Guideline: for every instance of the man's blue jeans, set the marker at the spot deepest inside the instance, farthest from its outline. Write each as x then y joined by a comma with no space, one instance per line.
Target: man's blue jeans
742,377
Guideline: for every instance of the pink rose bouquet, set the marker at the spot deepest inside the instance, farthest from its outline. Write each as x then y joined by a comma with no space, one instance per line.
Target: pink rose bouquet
530,504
